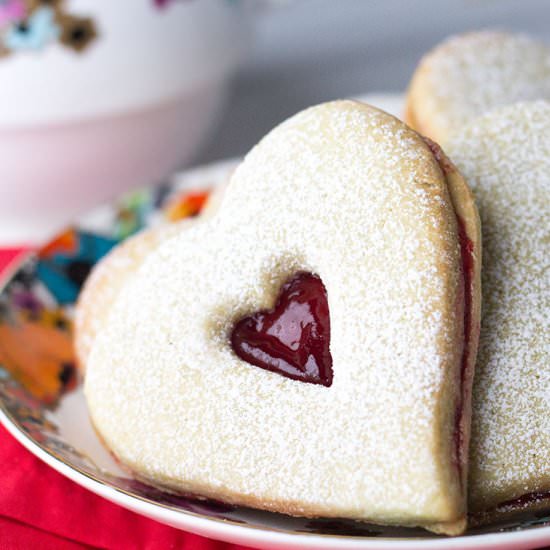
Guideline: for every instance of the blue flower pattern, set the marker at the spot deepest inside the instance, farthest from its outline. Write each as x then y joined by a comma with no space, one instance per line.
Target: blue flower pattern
39,30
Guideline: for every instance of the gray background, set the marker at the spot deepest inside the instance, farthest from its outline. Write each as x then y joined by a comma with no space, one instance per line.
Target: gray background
308,51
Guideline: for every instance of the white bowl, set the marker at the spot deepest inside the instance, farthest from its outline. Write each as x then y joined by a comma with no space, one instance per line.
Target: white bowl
79,127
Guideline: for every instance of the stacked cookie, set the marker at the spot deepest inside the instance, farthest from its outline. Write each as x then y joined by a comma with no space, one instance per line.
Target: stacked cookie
505,156
471,74
309,347
474,93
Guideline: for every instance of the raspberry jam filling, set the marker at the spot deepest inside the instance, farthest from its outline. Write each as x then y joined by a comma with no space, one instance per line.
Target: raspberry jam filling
467,257
467,260
293,338
524,500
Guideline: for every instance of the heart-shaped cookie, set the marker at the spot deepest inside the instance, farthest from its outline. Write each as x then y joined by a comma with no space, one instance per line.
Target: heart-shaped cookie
506,157
471,74
350,195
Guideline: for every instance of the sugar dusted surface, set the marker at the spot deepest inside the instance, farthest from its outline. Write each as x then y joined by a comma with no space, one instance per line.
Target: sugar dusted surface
175,403
471,74
107,278
115,270
505,156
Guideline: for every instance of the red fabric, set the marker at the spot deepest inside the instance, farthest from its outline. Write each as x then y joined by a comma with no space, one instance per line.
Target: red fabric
7,256
40,508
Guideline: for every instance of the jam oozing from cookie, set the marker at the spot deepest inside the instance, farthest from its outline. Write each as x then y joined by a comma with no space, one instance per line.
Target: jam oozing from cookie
524,500
467,256
293,338
467,262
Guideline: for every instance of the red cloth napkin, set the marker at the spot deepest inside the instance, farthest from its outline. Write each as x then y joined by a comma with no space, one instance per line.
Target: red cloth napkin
40,508
7,255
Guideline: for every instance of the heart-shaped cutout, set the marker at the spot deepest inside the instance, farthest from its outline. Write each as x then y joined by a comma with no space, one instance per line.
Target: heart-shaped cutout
293,338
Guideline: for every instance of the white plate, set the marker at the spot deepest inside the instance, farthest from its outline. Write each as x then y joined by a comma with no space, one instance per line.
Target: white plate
62,435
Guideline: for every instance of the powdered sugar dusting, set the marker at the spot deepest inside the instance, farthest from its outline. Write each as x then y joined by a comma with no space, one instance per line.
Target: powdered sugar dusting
351,194
505,156
469,75
114,271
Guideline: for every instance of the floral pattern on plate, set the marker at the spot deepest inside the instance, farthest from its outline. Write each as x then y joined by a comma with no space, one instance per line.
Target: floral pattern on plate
36,306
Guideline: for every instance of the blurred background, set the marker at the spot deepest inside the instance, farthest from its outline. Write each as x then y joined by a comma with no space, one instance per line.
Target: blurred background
309,51
98,96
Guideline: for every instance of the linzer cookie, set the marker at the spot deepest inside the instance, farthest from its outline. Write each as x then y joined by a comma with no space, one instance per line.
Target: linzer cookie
505,156
309,349
471,74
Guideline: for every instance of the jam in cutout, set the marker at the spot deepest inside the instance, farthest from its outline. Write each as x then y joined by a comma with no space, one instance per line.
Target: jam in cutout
293,338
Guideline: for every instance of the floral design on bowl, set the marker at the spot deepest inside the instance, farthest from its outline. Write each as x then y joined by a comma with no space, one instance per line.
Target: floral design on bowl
33,25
